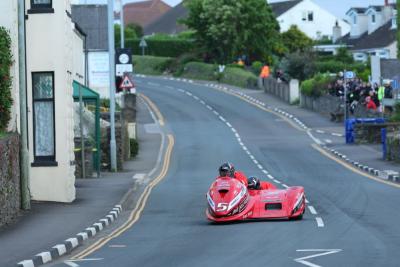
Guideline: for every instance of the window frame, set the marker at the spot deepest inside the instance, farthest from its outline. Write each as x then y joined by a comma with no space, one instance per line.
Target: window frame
40,161
41,8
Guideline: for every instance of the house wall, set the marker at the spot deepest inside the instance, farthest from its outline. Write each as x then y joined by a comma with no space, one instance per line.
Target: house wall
323,20
360,27
379,20
392,50
10,22
51,46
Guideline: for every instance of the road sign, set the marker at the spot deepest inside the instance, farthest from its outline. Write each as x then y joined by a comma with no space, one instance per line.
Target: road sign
143,43
123,60
123,68
126,83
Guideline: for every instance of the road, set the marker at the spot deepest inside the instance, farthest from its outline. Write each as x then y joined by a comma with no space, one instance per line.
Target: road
351,220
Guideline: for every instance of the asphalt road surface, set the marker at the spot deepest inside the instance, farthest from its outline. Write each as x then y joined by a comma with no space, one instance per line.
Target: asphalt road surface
351,220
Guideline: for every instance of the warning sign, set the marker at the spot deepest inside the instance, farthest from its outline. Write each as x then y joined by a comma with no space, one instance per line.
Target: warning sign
126,83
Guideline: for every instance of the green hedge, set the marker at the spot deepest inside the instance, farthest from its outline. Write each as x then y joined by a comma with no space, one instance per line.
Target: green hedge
161,48
239,77
232,75
5,79
151,65
316,86
335,66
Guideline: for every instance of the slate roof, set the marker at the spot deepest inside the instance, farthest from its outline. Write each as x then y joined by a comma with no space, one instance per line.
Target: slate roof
281,7
359,10
91,19
168,23
145,12
382,37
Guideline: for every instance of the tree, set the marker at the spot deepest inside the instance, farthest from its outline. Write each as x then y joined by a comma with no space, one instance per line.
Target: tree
131,31
227,29
296,40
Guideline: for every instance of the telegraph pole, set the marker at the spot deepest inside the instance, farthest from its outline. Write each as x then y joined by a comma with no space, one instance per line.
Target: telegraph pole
111,53
24,154
122,25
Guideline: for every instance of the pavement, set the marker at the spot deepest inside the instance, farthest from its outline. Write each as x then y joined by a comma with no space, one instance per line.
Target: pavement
98,203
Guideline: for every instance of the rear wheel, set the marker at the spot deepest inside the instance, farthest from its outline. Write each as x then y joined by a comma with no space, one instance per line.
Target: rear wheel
300,217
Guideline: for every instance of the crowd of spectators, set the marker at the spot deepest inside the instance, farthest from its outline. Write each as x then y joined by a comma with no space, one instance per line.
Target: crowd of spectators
364,93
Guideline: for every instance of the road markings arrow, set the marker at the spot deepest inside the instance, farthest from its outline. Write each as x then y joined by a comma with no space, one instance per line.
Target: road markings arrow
324,252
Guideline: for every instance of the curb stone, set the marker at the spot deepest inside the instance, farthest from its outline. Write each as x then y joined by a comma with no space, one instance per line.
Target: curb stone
71,243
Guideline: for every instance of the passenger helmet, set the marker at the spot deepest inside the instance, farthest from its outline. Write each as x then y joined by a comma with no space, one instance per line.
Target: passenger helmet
253,183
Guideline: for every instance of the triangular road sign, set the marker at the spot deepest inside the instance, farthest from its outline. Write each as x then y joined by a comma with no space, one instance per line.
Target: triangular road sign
126,83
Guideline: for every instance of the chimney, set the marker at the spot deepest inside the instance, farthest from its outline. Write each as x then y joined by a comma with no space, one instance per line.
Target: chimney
386,2
336,32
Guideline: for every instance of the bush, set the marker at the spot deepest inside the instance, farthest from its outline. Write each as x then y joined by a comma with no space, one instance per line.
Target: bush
200,71
299,65
239,77
316,86
334,66
5,79
151,65
161,46
134,147
235,65
256,66
178,65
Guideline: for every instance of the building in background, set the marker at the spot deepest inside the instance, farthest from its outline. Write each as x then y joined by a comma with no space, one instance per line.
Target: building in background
93,21
373,32
55,58
10,22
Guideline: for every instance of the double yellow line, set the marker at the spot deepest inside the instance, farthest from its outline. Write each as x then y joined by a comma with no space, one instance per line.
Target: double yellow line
136,213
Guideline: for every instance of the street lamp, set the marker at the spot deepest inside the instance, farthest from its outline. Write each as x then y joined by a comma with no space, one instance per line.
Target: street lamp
121,16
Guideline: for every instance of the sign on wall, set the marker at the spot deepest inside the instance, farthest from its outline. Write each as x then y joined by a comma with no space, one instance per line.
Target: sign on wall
98,68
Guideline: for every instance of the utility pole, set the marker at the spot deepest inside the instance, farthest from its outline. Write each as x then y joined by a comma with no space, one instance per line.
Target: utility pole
122,25
24,154
111,53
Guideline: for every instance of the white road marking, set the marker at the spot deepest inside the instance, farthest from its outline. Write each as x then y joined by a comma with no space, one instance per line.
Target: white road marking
117,246
264,171
210,108
181,90
222,118
139,176
229,125
252,157
270,176
153,84
312,210
285,186
319,131
216,113
307,201
316,140
195,97
260,167
202,102
302,260
276,181
328,141
169,87
71,264
320,222
336,134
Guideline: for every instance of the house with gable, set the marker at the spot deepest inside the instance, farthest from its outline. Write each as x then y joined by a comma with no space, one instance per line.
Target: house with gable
373,32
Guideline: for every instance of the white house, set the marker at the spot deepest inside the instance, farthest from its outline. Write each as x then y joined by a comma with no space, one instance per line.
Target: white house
54,59
309,17
373,32
10,22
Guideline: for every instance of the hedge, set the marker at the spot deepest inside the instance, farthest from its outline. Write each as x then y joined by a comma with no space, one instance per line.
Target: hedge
200,71
161,48
239,77
335,66
316,86
151,65
5,78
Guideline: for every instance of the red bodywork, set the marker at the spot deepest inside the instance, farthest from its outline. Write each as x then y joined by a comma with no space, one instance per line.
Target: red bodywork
230,200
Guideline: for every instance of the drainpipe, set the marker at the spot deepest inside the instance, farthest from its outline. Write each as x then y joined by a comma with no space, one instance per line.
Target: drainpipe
24,154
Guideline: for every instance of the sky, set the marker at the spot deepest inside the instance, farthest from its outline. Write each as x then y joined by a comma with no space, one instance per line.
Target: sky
337,7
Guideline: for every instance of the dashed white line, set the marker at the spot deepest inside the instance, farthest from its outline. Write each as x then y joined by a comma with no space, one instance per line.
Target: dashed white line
229,125
328,141
264,171
270,176
312,210
276,181
336,134
320,222
210,108
215,112
222,118
285,185
319,131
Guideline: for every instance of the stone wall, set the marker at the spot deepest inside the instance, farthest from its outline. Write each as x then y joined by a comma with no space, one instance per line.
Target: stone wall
10,196
120,138
325,105
89,163
369,133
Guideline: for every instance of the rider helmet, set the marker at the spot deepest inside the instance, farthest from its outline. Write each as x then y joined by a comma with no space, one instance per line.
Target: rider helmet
226,169
253,183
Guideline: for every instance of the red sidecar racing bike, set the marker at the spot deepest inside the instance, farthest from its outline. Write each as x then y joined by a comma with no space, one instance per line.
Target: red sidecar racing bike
230,200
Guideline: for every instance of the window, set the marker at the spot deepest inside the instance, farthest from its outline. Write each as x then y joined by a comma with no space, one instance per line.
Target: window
373,18
41,6
355,19
308,16
43,118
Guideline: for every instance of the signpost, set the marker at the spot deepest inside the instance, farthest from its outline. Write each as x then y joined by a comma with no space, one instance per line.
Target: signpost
126,83
123,58
346,76
143,45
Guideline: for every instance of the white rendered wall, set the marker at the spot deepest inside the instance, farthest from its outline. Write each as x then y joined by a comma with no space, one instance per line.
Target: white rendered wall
10,22
323,20
50,47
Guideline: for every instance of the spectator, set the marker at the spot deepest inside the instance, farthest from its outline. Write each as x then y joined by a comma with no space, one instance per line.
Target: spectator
370,104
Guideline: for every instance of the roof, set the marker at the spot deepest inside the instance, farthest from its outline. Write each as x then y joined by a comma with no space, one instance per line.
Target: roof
358,10
390,68
90,19
382,37
145,12
281,7
168,23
